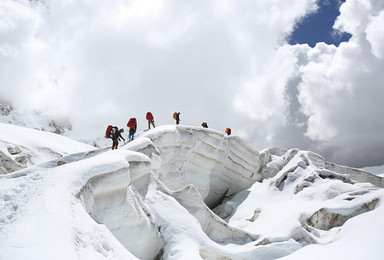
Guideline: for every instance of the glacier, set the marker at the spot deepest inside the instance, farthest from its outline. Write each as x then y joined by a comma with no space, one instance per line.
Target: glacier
181,192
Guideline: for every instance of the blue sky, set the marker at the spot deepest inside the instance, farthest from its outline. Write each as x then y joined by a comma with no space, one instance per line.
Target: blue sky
317,27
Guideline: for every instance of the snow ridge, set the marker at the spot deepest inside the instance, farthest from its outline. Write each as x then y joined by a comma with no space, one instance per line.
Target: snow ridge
184,193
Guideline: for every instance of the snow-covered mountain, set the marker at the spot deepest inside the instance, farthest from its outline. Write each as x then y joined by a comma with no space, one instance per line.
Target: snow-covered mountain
185,193
35,119
45,121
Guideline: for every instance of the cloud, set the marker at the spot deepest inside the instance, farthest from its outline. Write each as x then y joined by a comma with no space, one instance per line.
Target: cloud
326,99
341,89
223,62
375,35
105,61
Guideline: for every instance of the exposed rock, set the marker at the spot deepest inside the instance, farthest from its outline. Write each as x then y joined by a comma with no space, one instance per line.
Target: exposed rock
22,159
14,150
5,107
59,163
326,219
8,164
60,127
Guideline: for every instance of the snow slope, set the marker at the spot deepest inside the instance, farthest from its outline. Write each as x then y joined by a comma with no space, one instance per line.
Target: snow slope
21,147
188,193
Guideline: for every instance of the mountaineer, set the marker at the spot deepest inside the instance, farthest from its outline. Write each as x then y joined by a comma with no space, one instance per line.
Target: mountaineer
150,119
132,124
116,135
176,116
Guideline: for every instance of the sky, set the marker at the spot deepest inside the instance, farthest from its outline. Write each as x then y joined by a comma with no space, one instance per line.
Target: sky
240,64
317,26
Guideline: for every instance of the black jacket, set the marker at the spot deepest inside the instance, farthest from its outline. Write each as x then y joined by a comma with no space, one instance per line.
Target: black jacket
132,130
117,136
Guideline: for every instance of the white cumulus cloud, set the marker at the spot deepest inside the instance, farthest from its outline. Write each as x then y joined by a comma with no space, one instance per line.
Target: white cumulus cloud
341,88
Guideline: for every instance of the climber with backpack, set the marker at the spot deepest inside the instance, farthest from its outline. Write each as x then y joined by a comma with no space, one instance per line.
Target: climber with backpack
116,135
150,119
176,116
132,124
228,131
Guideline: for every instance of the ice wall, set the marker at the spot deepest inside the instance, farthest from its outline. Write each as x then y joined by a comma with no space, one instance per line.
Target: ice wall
115,200
216,164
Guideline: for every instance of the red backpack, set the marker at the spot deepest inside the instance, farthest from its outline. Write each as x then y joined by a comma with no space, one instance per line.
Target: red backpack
110,131
149,116
131,123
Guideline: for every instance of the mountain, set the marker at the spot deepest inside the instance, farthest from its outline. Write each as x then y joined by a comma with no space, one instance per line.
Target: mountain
185,193
35,119
45,121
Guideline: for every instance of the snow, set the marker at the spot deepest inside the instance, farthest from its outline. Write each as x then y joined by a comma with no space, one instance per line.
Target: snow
183,192
21,147
358,239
